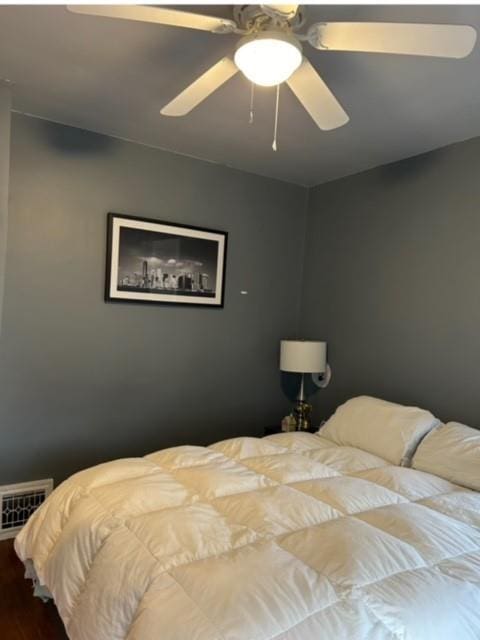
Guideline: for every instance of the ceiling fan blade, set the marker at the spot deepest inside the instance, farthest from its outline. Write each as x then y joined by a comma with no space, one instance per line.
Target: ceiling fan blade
439,40
158,15
203,86
317,98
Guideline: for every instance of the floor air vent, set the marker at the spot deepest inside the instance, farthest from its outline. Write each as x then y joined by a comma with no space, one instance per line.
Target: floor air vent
18,502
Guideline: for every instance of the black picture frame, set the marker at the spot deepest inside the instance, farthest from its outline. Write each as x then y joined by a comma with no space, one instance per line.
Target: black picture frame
152,261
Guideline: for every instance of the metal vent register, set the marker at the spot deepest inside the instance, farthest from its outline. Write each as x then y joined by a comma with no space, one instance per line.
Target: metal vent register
18,502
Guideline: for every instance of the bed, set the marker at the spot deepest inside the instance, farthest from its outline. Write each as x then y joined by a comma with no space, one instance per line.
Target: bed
288,537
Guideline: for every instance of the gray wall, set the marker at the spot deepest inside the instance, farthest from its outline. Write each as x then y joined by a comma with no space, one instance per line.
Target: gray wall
392,281
82,381
5,124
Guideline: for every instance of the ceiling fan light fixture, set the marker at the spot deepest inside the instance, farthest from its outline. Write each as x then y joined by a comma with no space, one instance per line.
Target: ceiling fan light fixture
268,58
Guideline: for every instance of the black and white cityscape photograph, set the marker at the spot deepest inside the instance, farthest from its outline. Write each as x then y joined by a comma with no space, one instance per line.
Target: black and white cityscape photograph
150,261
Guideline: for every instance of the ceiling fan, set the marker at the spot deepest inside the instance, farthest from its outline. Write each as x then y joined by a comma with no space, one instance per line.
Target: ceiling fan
270,49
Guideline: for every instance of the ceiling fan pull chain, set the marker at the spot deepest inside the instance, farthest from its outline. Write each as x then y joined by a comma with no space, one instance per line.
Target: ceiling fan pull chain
274,144
252,93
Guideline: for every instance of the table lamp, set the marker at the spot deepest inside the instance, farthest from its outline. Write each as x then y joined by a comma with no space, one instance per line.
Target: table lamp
304,356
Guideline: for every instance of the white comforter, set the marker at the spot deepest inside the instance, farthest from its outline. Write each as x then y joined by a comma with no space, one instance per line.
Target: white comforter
288,537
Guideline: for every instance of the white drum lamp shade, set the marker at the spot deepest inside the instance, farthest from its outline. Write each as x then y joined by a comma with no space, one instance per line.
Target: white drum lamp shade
303,356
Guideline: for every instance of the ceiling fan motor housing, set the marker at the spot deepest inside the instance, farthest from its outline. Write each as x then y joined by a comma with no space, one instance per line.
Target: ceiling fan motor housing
255,17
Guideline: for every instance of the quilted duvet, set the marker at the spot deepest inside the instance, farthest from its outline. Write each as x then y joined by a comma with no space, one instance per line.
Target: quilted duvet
288,537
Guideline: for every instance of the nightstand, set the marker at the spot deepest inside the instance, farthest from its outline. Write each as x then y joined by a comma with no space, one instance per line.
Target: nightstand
271,429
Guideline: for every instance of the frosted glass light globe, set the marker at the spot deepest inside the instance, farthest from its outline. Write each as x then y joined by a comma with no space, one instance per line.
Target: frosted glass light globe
268,58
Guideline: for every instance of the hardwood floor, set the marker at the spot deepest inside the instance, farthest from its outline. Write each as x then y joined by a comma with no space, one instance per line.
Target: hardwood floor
23,617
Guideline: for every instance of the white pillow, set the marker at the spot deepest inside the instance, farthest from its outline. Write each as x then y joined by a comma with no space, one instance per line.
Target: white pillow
391,431
452,452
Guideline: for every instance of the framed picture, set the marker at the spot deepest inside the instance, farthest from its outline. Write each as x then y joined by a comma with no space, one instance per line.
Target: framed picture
159,262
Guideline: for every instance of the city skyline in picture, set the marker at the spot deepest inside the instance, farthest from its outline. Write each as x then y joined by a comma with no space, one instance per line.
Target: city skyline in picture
151,261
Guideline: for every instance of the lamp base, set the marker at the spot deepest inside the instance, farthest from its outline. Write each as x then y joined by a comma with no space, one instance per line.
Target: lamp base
302,413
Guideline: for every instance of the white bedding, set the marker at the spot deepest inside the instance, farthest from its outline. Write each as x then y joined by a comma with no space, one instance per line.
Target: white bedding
289,537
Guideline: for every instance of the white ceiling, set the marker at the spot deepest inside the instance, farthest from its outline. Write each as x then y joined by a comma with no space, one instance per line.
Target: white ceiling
113,76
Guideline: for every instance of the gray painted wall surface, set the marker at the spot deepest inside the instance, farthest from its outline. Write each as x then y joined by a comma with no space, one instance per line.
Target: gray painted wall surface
82,381
392,281
5,123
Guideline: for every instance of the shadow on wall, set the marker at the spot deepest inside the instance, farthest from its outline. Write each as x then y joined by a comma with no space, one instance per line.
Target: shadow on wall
72,141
